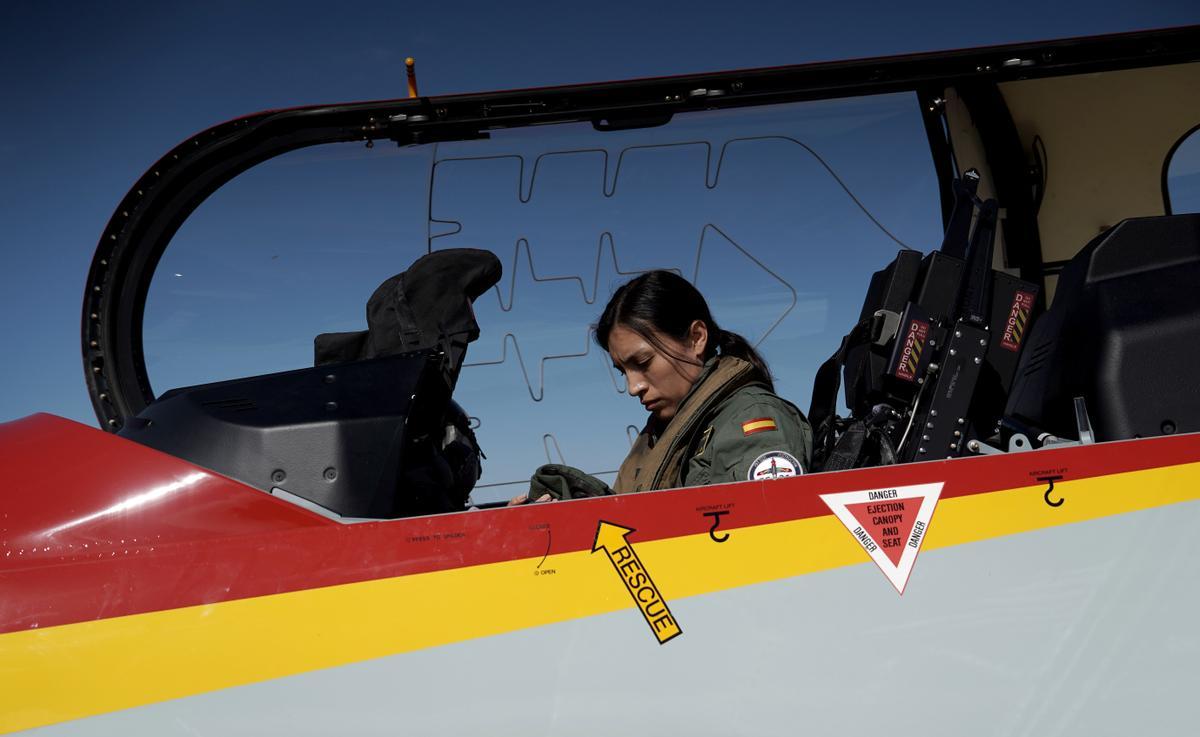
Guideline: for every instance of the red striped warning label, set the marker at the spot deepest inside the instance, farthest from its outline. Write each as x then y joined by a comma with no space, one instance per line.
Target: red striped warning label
889,524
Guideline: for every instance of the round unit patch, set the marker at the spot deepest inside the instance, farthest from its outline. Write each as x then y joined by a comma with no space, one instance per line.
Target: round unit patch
775,464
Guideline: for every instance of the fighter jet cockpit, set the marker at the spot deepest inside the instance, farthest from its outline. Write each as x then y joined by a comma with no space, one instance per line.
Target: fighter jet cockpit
387,310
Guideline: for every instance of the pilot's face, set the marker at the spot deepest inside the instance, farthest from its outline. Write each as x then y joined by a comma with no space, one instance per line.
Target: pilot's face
660,377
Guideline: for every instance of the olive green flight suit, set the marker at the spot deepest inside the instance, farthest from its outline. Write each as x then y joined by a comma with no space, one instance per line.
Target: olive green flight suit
728,428
726,452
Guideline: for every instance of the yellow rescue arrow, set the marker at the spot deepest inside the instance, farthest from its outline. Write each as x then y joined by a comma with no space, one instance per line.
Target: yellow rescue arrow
612,538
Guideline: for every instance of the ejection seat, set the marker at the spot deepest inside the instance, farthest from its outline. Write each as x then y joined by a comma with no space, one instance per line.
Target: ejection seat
928,367
371,430
1123,332
931,375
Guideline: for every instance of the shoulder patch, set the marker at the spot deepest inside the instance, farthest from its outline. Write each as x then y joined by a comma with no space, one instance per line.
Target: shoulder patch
774,464
762,424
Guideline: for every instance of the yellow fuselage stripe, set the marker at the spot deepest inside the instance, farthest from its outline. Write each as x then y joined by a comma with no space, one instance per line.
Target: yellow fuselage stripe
78,670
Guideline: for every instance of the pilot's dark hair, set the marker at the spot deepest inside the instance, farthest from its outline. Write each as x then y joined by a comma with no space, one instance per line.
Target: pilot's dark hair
666,303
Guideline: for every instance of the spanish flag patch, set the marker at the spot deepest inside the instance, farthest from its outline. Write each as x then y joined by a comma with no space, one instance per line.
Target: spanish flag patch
762,424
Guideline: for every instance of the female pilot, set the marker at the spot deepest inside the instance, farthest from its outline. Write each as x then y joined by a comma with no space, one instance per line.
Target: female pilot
713,415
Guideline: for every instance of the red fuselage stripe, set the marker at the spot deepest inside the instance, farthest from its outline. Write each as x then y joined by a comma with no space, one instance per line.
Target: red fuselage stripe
144,577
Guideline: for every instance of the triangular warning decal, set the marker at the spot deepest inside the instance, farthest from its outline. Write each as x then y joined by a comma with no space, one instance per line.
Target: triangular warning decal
890,524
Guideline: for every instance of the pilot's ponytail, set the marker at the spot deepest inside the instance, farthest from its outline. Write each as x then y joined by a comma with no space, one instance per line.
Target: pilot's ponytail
732,344
664,302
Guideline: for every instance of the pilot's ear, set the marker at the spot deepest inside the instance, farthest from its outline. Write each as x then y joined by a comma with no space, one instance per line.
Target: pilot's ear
698,338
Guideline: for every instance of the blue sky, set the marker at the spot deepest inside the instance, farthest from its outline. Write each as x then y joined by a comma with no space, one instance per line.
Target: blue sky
96,93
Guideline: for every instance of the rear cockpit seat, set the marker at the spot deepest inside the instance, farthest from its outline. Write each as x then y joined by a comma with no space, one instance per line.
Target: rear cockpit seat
1123,332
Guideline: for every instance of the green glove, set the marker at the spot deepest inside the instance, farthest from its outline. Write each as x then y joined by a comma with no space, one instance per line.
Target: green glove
565,482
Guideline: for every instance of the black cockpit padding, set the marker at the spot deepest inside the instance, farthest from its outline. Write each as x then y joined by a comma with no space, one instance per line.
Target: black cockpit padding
1123,332
371,431
339,436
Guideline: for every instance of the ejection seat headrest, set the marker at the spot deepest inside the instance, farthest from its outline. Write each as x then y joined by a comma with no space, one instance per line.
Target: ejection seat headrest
425,307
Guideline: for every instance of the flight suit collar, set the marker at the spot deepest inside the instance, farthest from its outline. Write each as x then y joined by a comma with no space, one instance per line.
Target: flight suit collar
656,458
654,429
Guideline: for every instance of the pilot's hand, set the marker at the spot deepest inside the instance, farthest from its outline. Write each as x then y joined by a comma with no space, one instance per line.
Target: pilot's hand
566,482
524,499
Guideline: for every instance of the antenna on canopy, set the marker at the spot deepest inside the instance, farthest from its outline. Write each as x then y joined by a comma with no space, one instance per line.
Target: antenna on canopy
410,69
